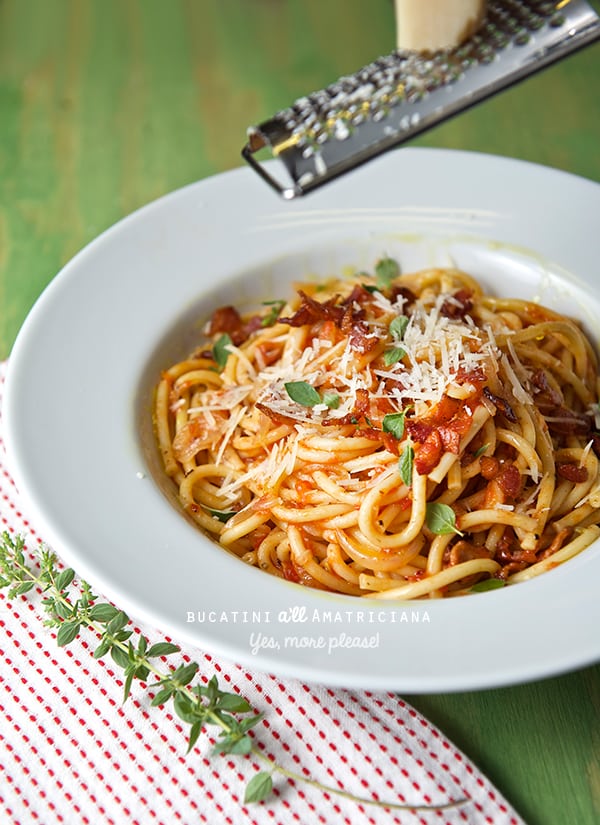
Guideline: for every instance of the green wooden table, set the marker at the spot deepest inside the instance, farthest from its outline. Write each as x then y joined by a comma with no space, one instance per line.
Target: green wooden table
107,104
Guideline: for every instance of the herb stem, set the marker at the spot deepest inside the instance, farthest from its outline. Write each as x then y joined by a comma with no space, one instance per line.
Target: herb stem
198,704
330,789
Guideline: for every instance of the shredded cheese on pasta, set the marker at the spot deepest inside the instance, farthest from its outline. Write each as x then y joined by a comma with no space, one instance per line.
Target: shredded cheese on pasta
409,437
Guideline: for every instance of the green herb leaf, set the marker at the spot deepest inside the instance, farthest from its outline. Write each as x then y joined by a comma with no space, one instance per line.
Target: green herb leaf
163,696
303,393
184,674
259,787
220,351
195,731
331,399
480,451
272,316
103,612
102,648
119,656
234,744
183,706
392,356
233,703
394,423
386,271
398,327
129,675
221,515
199,705
487,584
441,519
64,579
119,620
162,649
20,589
67,632
405,464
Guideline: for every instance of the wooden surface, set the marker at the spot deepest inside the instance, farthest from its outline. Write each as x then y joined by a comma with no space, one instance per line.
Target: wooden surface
107,104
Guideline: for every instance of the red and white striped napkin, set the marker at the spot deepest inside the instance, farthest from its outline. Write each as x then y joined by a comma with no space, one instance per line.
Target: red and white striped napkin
71,752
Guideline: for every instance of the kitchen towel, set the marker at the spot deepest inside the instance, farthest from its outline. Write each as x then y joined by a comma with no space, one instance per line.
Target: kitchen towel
71,751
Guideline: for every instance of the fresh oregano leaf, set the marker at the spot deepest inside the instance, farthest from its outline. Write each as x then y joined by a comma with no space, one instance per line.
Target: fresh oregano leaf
234,744
405,464
259,787
102,648
392,356
303,393
398,327
118,622
119,656
162,649
273,314
67,632
199,705
386,271
195,731
64,579
487,584
183,706
220,350
233,703
440,519
331,399
221,515
20,589
394,423
103,612
184,674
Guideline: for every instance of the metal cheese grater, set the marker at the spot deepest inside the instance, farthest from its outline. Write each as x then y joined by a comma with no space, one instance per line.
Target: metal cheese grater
395,98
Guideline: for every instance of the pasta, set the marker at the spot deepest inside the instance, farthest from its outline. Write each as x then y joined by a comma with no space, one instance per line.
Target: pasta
396,436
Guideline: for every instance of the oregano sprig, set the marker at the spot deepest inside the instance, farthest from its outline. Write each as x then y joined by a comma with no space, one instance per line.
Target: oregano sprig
71,607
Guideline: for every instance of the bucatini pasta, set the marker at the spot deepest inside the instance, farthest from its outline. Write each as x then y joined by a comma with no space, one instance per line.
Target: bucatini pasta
386,435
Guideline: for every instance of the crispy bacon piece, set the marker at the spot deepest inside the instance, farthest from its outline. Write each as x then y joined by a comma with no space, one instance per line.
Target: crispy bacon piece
359,296
408,295
539,379
225,319
563,421
490,467
311,312
572,472
359,411
429,454
463,551
386,439
228,320
361,339
557,542
509,480
595,439
347,315
511,556
459,305
501,404
560,419
439,432
269,351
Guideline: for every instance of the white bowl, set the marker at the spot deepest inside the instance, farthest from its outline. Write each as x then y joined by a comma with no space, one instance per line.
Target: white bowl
82,373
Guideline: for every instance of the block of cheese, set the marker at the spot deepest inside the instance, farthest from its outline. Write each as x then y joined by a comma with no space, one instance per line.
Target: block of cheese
429,25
